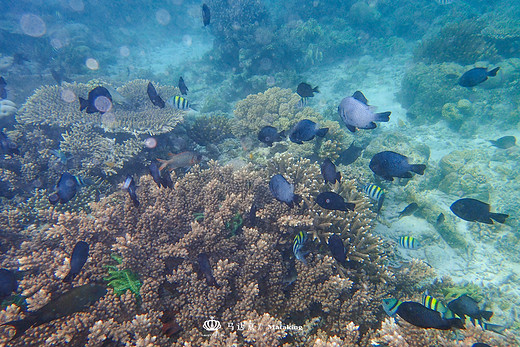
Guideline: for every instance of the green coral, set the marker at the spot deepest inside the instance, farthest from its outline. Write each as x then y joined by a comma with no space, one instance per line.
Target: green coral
470,289
123,280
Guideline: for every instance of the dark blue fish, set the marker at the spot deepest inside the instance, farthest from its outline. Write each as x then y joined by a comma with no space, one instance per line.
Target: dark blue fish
206,15
350,155
166,179
182,86
337,248
156,174
306,130
269,134
420,315
99,100
7,146
328,171
473,210
389,164
77,260
333,201
504,142
3,91
283,191
8,283
252,215
476,76
66,188
130,186
75,300
466,306
480,344
205,268
154,97
306,91
408,210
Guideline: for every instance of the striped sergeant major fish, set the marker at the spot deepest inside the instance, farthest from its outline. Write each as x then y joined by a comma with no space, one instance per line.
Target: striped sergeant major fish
375,193
180,103
298,243
408,242
436,305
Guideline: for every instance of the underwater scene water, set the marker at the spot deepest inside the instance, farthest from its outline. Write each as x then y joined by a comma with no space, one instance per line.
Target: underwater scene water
259,173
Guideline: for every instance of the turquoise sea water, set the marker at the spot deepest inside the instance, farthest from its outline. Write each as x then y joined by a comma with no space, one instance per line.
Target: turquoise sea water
242,70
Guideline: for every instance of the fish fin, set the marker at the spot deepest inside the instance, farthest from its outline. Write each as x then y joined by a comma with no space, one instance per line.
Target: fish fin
282,134
21,326
360,97
351,128
350,205
338,176
499,329
83,104
315,89
493,72
2,81
407,174
371,125
486,314
500,218
194,107
297,199
456,323
419,168
322,132
493,142
383,116
70,276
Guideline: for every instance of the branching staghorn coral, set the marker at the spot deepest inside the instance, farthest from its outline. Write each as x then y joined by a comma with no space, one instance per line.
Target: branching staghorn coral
160,242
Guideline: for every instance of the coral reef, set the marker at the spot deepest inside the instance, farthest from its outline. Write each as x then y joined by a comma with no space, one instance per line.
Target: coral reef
458,42
160,242
132,111
7,108
208,129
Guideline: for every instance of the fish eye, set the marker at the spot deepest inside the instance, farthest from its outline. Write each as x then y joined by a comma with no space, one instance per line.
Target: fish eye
327,201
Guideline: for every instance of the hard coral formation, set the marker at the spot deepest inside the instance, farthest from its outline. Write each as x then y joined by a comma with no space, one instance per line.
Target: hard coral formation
458,42
161,240
132,111
208,129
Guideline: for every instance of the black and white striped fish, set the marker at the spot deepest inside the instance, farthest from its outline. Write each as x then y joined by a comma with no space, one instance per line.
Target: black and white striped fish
180,103
375,193
408,242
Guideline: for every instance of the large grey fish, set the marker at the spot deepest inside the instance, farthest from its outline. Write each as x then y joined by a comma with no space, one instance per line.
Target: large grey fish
75,300
355,113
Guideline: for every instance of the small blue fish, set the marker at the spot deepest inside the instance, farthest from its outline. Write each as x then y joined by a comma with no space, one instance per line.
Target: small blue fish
476,76
66,188
99,100
8,283
333,201
408,210
62,157
3,91
306,130
182,86
269,135
156,174
328,171
355,113
389,164
298,243
408,242
77,260
337,248
154,97
283,191
130,186
375,193
205,268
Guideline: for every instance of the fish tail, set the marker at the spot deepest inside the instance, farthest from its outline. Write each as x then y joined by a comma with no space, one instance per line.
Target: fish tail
350,206
499,217
456,323
486,314
418,168
322,132
83,104
338,176
297,199
164,163
494,71
282,134
316,90
20,326
383,116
